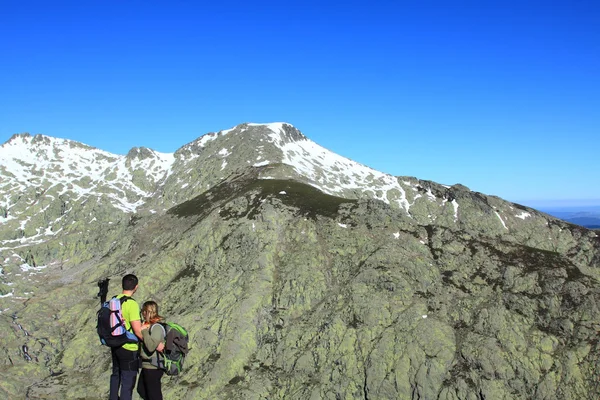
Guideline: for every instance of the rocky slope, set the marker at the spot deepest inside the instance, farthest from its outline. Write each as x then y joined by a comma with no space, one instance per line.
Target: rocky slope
299,273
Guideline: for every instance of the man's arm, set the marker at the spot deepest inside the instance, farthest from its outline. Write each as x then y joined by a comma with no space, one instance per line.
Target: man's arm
136,326
131,313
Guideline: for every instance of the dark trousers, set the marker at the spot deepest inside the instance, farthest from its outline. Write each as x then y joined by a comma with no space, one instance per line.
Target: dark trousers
124,372
149,387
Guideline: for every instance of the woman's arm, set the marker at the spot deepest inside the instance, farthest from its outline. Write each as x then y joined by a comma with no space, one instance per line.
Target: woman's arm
151,341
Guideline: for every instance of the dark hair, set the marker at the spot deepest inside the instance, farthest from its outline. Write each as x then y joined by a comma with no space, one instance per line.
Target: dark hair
129,282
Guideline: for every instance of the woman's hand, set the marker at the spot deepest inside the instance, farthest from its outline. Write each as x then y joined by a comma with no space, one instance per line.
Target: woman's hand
145,325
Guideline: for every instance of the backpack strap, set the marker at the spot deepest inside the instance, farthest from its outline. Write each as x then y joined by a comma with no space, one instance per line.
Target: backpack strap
162,327
123,299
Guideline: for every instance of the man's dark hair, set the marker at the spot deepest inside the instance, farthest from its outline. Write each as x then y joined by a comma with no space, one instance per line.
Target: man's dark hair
130,281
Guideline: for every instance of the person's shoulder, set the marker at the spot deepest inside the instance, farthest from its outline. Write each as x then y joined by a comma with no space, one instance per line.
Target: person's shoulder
160,328
127,299
131,304
131,300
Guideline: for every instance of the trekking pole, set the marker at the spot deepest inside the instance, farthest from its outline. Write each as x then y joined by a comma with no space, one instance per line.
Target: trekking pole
103,286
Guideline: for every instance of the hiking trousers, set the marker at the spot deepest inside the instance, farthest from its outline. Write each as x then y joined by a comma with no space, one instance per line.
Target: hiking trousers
149,387
124,372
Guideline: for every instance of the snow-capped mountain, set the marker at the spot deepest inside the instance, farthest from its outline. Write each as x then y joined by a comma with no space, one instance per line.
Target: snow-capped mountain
285,260
50,185
62,166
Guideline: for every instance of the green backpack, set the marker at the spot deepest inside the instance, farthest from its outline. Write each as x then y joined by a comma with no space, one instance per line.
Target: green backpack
176,348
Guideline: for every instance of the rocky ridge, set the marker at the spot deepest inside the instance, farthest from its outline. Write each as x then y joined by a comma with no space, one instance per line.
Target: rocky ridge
300,273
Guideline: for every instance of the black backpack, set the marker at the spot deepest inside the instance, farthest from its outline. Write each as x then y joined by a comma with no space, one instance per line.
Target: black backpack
176,348
111,325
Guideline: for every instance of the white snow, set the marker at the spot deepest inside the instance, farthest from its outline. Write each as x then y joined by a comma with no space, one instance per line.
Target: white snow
523,215
332,173
260,164
397,235
6,295
8,218
455,205
501,220
27,268
224,152
342,225
430,195
84,170
283,192
209,137
226,131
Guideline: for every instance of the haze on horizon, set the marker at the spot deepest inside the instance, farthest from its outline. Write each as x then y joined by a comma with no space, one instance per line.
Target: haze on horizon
502,97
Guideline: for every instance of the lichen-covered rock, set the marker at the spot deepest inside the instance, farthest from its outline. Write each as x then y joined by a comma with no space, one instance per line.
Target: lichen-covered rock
289,292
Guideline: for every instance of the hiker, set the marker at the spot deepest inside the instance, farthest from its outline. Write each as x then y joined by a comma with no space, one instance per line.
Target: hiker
125,358
153,334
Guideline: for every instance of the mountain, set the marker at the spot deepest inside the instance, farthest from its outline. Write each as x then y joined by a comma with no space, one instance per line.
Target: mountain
588,217
298,272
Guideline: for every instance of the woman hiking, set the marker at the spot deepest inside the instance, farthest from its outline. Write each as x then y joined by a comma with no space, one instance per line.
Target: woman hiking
153,334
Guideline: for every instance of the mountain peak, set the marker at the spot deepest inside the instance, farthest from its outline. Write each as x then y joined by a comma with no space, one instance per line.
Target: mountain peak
28,142
140,152
18,137
286,132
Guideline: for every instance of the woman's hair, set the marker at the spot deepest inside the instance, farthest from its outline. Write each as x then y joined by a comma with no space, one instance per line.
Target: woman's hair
150,312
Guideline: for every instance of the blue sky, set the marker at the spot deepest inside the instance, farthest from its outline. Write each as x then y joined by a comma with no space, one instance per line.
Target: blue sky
503,97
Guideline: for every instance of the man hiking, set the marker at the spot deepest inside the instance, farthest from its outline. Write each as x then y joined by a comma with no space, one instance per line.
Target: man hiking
125,359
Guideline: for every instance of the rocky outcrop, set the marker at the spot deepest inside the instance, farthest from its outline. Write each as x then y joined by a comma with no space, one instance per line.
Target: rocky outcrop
290,292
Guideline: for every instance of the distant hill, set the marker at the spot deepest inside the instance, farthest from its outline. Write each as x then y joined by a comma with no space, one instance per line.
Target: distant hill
588,217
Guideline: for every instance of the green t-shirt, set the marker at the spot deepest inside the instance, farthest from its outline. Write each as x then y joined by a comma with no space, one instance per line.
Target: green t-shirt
131,312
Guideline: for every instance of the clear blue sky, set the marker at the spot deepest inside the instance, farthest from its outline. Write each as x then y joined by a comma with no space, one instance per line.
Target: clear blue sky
503,97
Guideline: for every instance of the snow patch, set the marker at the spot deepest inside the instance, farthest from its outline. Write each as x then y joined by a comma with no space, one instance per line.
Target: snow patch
455,205
209,137
28,268
334,174
224,152
501,220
